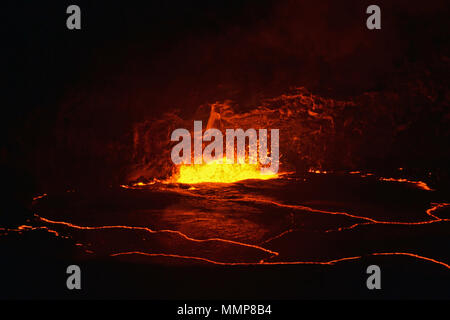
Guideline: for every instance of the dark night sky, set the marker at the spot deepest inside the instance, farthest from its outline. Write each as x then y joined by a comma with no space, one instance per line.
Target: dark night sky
214,49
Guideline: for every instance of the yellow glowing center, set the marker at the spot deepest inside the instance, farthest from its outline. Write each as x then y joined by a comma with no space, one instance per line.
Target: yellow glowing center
215,171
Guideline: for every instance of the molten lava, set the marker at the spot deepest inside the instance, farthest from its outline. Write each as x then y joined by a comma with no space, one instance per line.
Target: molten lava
215,171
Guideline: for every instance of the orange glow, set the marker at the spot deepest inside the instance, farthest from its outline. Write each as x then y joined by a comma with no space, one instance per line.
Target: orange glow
220,172
311,170
330,262
39,197
419,184
71,225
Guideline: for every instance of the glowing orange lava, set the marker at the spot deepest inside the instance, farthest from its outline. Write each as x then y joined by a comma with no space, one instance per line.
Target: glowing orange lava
220,172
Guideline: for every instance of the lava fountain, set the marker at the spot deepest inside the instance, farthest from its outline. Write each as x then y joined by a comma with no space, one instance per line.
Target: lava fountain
209,163
220,172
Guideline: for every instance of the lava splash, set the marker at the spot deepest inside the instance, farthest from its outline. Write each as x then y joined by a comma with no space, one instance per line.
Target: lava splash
220,172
